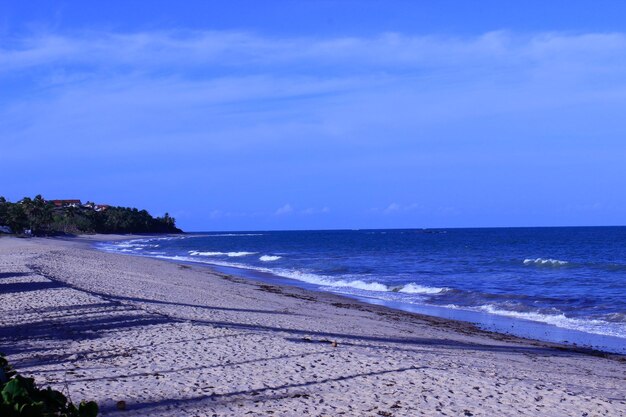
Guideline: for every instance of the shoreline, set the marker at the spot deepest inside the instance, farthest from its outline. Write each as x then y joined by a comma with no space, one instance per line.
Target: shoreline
497,323
360,303
142,306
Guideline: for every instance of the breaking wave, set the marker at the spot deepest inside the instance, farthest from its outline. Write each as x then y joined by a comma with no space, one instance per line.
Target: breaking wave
565,299
321,280
544,262
413,288
269,258
229,254
602,327
325,281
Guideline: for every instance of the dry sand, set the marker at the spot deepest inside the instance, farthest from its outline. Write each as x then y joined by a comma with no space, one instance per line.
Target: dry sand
174,340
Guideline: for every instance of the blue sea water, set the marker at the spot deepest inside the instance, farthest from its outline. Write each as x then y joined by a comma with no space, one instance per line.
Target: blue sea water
559,284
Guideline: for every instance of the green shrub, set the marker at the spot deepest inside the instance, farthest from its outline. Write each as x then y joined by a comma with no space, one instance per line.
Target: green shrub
41,217
20,397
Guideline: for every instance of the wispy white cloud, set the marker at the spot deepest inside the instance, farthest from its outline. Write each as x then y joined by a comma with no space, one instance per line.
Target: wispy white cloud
230,90
386,77
286,209
283,210
165,70
221,214
168,50
314,210
394,207
350,117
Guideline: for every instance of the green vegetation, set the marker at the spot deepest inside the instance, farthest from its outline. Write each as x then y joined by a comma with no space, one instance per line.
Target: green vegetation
42,217
20,397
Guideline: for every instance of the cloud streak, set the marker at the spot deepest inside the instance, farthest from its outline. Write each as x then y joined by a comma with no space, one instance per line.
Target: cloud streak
222,68
356,121
284,210
391,51
115,84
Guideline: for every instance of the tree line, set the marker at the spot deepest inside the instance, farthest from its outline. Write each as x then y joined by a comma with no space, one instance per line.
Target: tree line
40,217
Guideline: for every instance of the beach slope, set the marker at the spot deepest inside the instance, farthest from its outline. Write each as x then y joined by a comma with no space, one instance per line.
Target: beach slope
178,340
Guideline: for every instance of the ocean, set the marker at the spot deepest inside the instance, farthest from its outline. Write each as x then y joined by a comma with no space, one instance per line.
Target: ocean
565,284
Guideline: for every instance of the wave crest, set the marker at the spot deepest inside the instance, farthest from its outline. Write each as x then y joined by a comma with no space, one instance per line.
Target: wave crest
544,262
269,258
229,254
413,288
595,326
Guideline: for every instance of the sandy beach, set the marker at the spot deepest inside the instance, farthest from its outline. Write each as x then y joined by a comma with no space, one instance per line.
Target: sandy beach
179,340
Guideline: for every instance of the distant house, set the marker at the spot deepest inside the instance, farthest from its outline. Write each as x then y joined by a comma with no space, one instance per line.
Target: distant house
66,203
101,207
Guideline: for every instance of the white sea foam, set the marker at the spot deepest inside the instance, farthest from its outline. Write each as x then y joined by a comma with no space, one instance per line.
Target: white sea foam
593,326
212,261
413,288
310,278
138,244
327,281
331,282
560,320
166,238
229,254
175,258
124,245
544,262
610,326
269,258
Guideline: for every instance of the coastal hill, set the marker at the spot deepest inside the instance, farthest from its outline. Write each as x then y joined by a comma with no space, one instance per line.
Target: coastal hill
38,216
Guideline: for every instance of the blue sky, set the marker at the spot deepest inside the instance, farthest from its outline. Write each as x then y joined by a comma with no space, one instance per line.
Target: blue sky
320,114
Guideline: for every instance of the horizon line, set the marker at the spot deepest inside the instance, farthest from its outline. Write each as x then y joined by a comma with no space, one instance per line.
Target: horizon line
403,228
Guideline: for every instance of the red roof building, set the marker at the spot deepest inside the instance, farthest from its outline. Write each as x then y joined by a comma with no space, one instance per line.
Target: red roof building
65,203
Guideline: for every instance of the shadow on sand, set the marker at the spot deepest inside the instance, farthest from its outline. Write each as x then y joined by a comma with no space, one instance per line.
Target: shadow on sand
14,274
117,314
16,287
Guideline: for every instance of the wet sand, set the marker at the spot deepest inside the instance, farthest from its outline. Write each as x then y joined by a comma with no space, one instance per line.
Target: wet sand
178,340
